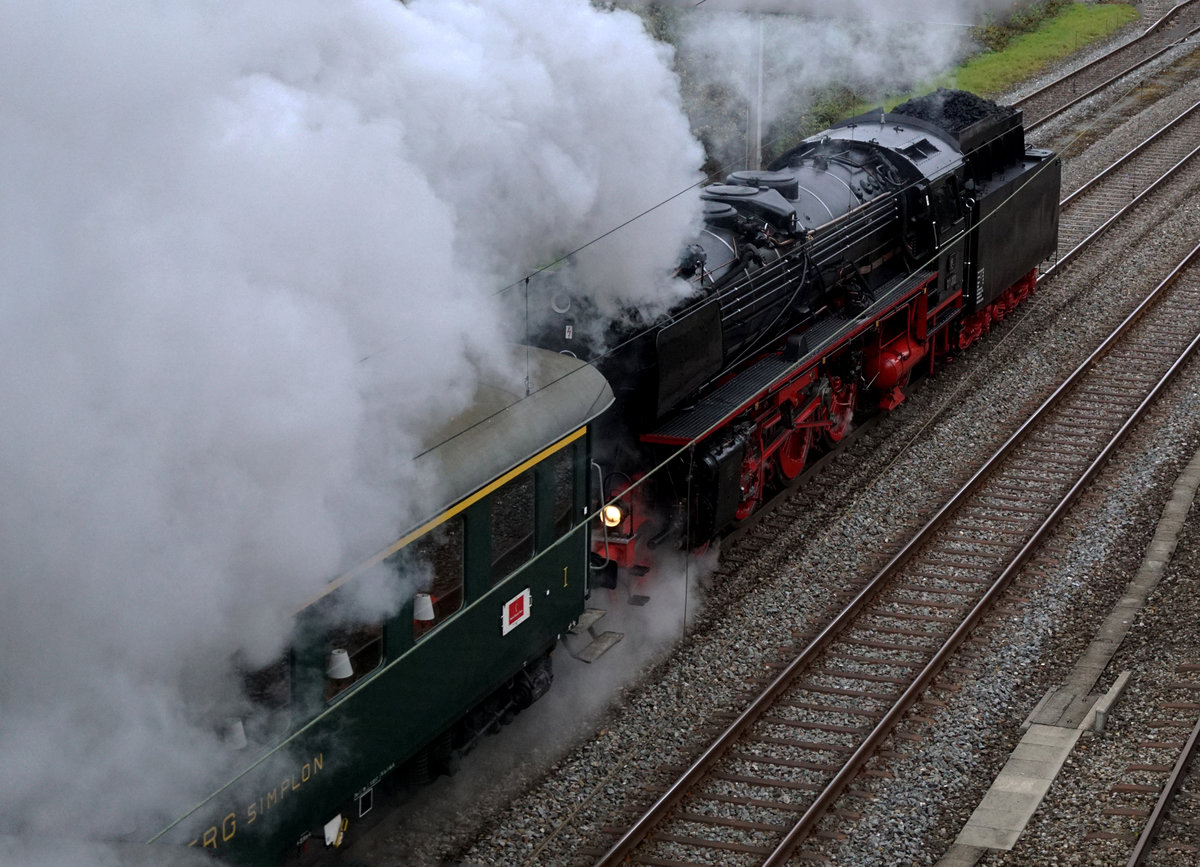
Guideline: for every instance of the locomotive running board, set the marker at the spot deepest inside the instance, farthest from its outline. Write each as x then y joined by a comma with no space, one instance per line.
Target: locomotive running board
599,645
714,410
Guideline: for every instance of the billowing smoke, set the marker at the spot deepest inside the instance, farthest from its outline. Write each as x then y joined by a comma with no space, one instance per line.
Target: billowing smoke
248,250
802,54
808,53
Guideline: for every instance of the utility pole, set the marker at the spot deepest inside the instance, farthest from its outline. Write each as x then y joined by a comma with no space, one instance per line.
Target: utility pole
754,121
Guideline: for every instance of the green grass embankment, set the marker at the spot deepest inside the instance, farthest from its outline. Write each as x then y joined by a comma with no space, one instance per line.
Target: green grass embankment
1028,54
1027,50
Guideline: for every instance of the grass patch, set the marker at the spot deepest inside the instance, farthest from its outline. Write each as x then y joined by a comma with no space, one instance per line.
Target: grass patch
1028,54
1023,56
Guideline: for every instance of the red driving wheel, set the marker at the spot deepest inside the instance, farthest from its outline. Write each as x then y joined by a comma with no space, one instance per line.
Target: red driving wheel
841,407
793,454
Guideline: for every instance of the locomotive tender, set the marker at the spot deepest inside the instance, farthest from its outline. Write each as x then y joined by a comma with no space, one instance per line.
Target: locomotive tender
861,258
821,287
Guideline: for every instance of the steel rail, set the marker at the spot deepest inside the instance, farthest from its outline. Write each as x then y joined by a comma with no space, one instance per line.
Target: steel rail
642,828
1046,118
910,696
1141,849
1152,139
1161,22
1103,227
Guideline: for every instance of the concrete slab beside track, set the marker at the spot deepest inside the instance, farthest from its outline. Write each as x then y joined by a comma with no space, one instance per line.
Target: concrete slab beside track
1055,725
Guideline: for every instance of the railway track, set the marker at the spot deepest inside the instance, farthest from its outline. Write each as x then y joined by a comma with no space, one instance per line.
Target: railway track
1052,100
1170,830
1155,807
851,706
798,745
1098,203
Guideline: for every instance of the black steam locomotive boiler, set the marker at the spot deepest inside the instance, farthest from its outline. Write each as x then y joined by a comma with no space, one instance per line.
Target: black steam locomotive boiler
820,288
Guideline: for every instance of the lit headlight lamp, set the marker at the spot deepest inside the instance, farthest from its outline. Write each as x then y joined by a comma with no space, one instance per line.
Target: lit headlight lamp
612,515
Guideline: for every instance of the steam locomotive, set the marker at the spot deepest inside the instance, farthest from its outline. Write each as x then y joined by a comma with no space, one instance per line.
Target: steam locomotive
820,288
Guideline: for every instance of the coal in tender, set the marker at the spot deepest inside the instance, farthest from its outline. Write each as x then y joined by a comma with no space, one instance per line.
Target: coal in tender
951,110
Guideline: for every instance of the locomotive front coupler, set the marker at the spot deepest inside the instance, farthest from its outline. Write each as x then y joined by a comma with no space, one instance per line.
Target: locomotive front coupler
673,527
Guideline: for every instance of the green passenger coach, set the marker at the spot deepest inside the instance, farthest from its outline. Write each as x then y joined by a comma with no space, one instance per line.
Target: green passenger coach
492,579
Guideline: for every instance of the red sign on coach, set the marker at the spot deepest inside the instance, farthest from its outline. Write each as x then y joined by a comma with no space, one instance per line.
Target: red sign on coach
516,611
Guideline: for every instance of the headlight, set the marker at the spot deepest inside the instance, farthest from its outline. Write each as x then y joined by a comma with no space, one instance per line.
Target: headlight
612,515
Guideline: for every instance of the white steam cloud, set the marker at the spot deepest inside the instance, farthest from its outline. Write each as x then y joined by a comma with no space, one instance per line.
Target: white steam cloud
246,250
870,46
802,54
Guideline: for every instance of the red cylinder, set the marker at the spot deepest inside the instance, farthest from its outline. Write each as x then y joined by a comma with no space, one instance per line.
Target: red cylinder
889,366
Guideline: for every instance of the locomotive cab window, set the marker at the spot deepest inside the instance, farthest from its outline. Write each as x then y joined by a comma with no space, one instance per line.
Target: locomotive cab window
354,652
513,521
946,206
435,564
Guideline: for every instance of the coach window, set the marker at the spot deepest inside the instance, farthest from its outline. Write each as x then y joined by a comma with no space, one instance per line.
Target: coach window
512,525
271,685
560,469
434,563
354,652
